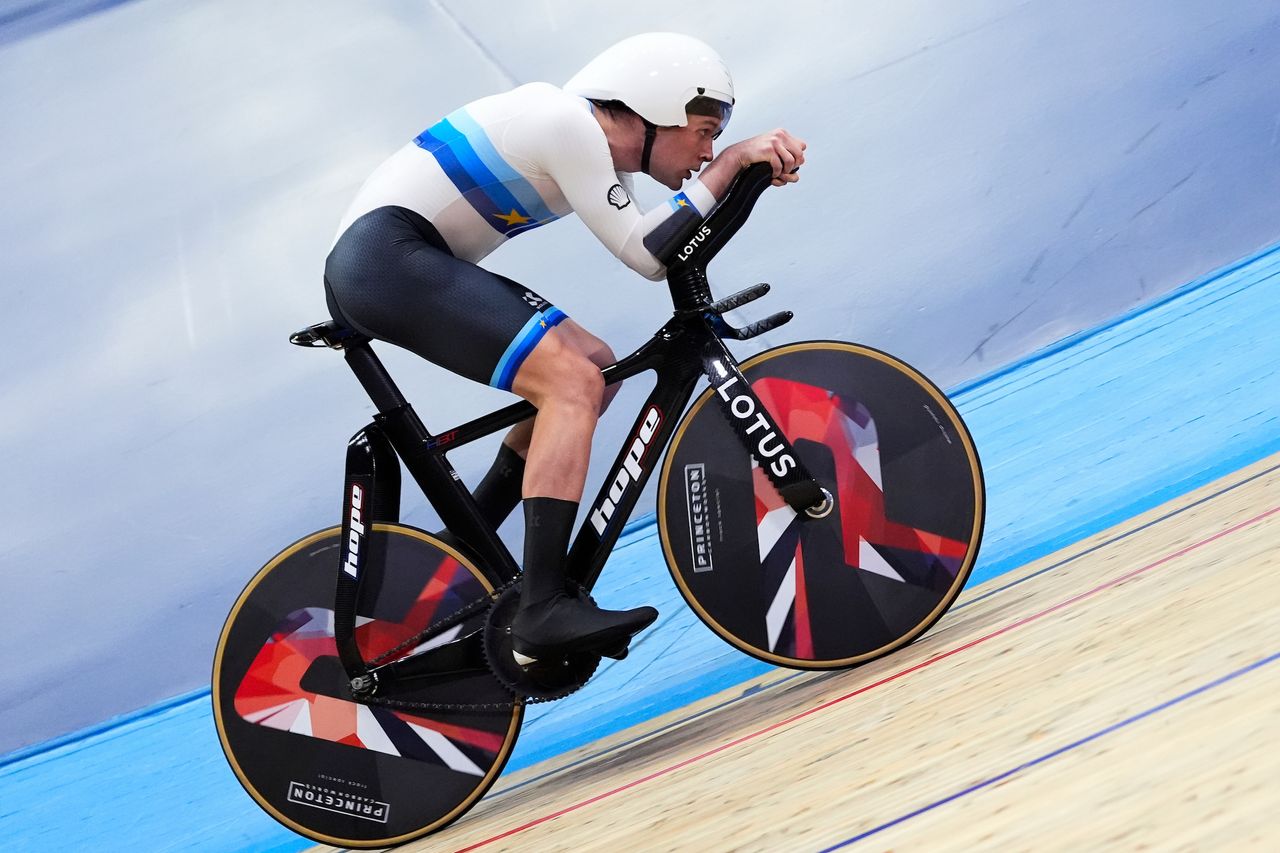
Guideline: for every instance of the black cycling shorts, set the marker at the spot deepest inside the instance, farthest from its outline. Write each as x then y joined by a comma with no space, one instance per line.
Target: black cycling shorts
392,277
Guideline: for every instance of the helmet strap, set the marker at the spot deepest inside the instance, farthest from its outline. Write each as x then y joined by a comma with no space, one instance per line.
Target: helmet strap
650,134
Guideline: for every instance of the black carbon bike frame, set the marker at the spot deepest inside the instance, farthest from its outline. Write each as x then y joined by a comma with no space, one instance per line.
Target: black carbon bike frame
689,346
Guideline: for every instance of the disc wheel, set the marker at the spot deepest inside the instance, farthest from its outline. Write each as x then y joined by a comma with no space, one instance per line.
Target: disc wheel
872,573
325,765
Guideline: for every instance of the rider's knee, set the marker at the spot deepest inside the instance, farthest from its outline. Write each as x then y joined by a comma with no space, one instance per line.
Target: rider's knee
583,383
559,372
603,355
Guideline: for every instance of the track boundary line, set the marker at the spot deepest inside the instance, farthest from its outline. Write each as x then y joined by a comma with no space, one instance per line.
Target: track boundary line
657,774
959,606
1026,765
1117,538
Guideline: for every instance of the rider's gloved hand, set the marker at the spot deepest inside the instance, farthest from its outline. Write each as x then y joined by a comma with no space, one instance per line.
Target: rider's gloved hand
778,148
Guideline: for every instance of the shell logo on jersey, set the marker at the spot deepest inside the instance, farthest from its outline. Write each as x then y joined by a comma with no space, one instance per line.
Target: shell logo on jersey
618,196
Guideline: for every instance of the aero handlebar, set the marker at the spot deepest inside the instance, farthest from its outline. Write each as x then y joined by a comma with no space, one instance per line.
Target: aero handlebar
687,254
698,242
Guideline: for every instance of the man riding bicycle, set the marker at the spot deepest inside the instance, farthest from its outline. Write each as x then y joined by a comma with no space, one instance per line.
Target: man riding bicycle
403,270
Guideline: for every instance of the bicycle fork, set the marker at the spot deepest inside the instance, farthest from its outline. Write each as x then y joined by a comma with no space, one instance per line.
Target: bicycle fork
683,344
760,434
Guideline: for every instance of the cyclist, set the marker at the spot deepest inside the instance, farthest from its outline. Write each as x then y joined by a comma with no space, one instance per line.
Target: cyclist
403,269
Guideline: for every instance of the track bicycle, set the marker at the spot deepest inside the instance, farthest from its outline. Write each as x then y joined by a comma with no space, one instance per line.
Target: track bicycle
820,505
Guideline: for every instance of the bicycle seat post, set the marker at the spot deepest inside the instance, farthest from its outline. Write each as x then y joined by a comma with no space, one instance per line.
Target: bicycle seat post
374,378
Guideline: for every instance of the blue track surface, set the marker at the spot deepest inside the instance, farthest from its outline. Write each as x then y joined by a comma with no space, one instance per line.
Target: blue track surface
1074,439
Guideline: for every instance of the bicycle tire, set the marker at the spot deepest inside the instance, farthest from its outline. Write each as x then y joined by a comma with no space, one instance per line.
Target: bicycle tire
328,767
888,560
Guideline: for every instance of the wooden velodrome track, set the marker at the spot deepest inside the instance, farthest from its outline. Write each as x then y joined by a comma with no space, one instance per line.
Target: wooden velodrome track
1123,693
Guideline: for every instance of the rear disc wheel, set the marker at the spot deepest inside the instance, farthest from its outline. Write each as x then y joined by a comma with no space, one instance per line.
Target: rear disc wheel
324,764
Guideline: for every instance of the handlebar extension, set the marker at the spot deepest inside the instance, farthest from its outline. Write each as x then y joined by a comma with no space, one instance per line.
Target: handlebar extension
751,330
695,245
722,327
737,300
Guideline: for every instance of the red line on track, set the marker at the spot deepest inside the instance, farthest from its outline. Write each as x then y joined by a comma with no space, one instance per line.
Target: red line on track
865,688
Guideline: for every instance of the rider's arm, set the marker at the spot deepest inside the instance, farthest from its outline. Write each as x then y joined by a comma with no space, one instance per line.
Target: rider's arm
575,154
781,150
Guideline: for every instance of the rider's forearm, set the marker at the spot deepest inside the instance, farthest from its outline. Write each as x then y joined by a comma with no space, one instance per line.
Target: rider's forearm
717,175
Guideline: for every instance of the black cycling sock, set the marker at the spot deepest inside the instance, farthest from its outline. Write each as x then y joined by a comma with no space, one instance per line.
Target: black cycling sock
499,491
548,522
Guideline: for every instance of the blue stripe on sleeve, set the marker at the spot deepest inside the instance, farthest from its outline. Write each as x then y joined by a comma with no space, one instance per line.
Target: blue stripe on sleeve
680,201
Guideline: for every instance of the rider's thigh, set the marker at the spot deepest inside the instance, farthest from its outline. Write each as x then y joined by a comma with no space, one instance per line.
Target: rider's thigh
586,343
558,370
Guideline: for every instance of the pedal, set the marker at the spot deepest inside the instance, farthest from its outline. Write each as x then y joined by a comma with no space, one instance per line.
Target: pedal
618,652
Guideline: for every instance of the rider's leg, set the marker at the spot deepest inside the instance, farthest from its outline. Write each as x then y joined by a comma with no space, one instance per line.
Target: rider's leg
566,386
501,489
393,277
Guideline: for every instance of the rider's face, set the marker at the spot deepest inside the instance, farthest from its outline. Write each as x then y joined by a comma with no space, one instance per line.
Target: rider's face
678,152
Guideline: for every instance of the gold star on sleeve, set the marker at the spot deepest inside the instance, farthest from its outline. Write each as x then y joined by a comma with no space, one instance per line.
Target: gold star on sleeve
513,218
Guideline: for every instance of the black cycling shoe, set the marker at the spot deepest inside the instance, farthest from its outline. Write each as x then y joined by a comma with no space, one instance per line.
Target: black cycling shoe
567,623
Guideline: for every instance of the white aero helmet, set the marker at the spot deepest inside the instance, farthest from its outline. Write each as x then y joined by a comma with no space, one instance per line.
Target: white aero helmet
656,75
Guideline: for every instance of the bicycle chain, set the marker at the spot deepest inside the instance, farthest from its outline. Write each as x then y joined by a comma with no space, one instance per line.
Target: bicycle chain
457,617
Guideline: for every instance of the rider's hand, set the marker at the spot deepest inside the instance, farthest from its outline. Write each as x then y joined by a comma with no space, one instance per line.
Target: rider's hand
781,150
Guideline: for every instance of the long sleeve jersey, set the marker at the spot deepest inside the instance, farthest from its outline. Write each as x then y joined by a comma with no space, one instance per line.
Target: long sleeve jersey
505,164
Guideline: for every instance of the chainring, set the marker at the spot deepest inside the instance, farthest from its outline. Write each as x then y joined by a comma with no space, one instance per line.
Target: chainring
541,681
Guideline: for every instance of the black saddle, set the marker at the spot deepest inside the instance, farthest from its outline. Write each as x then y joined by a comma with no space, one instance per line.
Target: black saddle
330,334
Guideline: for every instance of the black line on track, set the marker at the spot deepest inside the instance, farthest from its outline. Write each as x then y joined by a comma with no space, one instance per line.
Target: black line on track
1115,539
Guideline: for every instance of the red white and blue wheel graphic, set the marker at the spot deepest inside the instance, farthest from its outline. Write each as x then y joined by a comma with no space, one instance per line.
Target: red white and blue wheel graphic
876,571
326,766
